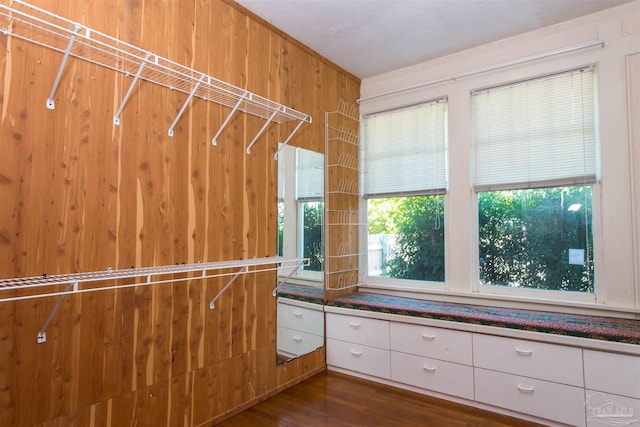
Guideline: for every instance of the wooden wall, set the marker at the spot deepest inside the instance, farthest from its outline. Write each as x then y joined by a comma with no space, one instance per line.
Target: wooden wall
80,194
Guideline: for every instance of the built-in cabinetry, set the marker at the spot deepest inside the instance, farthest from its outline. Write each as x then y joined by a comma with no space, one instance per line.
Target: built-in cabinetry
300,327
552,382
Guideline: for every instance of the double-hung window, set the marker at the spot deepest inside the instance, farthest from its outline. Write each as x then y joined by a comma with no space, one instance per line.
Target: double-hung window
404,183
535,163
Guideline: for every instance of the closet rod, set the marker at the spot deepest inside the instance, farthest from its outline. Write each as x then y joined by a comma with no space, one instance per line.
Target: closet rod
496,67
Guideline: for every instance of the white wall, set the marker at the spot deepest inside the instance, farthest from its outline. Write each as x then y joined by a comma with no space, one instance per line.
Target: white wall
619,29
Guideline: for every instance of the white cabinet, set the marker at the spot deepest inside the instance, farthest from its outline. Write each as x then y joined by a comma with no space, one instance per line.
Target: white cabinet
612,373
358,344
361,330
359,358
300,327
432,374
438,343
557,382
545,399
545,361
612,383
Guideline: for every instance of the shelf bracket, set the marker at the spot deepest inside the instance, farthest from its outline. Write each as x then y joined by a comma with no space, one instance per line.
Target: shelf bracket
262,130
214,140
212,303
42,335
288,139
186,103
286,279
51,105
116,118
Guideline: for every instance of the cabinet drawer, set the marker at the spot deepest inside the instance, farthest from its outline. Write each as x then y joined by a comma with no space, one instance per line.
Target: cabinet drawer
359,358
361,330
551,362
438,343
543,399
296,343
432,374
301,318
609,409
612,373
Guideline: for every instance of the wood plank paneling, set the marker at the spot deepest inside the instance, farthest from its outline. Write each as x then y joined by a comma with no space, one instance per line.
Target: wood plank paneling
80,194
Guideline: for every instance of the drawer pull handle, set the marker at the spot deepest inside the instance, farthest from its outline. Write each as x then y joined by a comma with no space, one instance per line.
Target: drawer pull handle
356,353
297,338
297,314
428,337
427,368
354,325
523,352
525,389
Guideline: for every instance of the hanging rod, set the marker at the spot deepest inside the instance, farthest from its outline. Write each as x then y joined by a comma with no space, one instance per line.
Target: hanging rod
27,22
496,67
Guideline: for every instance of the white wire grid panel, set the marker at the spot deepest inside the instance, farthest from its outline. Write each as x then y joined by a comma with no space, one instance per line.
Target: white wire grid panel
22,20
341,132
45,286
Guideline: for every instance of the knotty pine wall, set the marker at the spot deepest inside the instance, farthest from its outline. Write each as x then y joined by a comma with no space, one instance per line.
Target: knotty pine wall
80,194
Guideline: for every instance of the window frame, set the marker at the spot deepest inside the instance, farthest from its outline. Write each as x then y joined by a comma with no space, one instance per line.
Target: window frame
411,285
558,296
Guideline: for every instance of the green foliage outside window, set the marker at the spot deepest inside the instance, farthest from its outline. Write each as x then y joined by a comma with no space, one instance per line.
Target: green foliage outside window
525,237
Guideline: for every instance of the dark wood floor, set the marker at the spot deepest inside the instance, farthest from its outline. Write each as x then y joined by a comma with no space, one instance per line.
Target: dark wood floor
332,399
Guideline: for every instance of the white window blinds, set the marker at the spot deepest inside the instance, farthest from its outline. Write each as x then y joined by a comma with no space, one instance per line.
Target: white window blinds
535,133
404,151
310,174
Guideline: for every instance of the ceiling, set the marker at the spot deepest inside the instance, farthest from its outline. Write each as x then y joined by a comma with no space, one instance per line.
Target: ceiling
370,37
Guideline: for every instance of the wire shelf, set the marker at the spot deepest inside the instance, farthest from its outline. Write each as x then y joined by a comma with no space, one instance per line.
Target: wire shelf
24,21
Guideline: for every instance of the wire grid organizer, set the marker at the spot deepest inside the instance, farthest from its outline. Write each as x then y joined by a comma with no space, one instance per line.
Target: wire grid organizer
342,158
61,285
27,22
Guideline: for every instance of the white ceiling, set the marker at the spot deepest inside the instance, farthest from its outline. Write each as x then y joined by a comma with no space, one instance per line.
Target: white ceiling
370,37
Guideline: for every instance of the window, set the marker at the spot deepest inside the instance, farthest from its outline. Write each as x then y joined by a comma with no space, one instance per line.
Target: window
404,182
534,169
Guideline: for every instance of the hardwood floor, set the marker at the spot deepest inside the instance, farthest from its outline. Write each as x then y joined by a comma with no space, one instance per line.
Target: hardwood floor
332,399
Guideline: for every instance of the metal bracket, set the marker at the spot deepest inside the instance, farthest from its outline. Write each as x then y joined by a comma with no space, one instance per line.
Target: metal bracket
214,140
275,290
42,335
288,139
116,118
51,105
186,103
262,130
212,303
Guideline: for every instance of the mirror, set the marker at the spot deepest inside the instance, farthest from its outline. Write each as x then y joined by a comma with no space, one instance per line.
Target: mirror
300,292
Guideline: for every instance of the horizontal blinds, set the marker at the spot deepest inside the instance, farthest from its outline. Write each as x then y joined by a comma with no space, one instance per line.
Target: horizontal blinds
535,133
404,151
310,174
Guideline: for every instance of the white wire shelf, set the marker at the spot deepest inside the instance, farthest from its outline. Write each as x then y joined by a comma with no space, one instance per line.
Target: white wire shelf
23,288
27,22
49,285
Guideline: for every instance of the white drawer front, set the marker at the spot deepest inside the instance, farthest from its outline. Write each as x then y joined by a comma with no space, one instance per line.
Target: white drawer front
296,343
444,344
301,318
612,373
551,362
432,374
552,401
608,409
359,358
361,330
